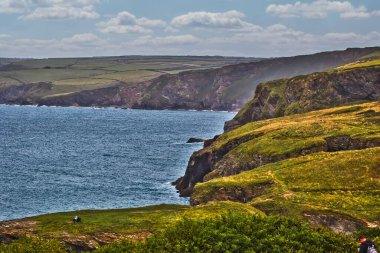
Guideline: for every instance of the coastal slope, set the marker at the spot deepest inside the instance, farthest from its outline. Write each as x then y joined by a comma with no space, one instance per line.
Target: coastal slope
322,166
218,84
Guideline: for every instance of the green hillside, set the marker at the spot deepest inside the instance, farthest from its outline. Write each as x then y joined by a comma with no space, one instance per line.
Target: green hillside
324,161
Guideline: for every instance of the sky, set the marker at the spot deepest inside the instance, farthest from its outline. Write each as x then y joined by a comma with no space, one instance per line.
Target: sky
265,28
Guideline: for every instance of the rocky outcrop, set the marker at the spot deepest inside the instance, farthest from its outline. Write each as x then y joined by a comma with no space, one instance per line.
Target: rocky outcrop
228,166
24,94
202,162
208,164
335,222
307,93
237,194
194,140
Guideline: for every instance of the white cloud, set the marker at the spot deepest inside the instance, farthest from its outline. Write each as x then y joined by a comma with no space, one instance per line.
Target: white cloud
270,41
126,22
12,6
51,9
63,12
167,40
229,19
320,9
82,38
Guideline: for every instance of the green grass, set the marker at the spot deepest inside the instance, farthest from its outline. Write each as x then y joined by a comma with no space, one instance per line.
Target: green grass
49,75
33,245
292,134
360,64
229,232
345,182
128,221
130,76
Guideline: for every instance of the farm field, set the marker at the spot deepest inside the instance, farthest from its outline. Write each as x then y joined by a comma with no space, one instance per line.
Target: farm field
69,75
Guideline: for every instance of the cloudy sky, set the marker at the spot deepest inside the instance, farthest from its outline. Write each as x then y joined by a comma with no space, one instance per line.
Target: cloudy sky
262,28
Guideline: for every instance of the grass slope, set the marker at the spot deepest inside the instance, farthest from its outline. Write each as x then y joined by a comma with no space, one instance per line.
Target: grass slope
306,177
300,134
100,227
345,182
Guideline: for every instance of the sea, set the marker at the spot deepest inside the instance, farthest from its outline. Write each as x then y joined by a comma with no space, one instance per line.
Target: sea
55,159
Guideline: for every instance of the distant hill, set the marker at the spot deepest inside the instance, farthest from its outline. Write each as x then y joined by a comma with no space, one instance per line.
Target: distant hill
217,83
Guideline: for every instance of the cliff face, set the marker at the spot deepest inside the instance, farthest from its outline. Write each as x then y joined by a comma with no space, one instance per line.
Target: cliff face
307,93
226,88
230,87
319,165
276,99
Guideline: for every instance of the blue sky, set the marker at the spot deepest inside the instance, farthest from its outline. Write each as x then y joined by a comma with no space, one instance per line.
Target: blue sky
266,28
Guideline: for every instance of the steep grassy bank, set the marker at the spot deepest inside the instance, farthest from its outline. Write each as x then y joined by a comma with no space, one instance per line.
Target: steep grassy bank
337,190
263,142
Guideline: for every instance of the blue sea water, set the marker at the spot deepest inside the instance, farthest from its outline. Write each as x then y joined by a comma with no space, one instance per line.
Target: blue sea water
56,159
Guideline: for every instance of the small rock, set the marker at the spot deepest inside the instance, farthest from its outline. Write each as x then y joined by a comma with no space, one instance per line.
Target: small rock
193,140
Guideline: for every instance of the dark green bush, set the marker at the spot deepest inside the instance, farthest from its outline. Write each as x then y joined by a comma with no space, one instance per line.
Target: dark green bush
240,233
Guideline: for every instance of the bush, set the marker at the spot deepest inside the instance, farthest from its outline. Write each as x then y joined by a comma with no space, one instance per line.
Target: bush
240,233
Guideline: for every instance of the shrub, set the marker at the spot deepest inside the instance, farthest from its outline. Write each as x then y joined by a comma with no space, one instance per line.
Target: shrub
240,233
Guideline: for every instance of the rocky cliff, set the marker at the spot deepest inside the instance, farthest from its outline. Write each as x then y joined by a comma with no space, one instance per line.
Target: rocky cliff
321,166
307,93
226,88
276,99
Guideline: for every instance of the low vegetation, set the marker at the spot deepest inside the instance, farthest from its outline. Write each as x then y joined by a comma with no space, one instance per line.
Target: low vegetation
231,232
342,182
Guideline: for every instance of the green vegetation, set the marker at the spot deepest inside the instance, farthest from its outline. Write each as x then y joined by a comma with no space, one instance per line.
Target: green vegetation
342,182
133,224
231,232
361,64
293,134
297,177
33,245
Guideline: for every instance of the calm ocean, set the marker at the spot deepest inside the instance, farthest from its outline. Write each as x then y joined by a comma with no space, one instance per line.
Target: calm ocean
58,159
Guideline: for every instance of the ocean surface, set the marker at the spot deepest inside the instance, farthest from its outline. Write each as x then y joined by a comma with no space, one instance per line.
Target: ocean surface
56,159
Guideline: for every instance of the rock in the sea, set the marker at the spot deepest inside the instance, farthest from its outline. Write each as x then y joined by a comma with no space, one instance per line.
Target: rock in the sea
193,140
